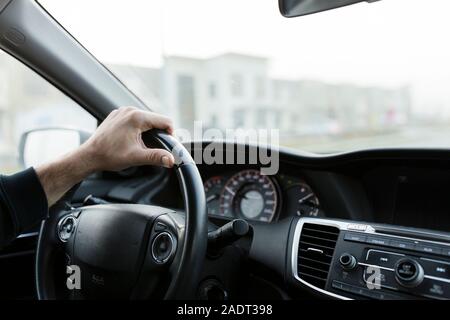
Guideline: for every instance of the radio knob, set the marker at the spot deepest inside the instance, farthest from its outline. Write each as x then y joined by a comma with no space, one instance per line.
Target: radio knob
409,273
347,261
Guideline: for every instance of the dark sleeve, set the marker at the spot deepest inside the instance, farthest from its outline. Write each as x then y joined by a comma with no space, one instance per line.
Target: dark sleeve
23,204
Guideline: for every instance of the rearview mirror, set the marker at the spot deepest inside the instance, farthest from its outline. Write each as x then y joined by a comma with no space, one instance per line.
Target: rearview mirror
41,145
296,8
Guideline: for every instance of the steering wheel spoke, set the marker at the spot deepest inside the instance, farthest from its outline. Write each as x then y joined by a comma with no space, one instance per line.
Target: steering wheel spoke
162,256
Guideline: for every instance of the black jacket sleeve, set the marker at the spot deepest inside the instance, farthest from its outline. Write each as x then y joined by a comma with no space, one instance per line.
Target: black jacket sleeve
23,204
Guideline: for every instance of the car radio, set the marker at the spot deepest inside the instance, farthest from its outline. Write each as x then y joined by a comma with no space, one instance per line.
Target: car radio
352,261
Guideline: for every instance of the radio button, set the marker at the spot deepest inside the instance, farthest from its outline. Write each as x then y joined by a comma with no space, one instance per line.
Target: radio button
382,259
378,241
434,288
400,244
355,237
409,273
339,285
347,261
428,248
436,268
373,294
446,252
382,295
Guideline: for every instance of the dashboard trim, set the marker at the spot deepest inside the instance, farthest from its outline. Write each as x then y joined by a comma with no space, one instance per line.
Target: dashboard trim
294,256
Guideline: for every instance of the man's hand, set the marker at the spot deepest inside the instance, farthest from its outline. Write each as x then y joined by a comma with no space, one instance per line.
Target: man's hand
115,145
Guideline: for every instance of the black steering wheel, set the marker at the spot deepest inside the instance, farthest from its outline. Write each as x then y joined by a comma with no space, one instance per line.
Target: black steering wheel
127,251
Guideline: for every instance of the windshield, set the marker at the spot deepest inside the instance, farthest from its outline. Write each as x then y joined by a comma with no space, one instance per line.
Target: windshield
363,76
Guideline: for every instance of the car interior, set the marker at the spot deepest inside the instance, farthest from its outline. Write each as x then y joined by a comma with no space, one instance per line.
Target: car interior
368,224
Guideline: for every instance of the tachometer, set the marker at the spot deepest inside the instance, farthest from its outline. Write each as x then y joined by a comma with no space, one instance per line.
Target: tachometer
302,201
249,195
213,188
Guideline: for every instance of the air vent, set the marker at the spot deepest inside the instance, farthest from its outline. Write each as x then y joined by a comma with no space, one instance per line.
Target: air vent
315,251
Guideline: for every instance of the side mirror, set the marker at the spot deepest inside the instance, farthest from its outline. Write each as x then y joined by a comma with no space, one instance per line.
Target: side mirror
41,145
296,8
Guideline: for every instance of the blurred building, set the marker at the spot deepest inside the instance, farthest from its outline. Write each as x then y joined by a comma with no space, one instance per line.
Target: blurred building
235,91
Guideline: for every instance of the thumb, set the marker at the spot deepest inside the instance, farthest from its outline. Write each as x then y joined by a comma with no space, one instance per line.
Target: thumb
156,157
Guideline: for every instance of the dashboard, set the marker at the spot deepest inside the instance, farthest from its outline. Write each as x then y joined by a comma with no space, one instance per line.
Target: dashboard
247,194
319,226
400,187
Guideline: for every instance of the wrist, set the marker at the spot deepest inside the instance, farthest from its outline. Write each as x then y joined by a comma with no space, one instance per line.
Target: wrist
85,161
59,176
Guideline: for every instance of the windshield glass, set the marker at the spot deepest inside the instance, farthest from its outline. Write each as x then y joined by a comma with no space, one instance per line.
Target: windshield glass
363,76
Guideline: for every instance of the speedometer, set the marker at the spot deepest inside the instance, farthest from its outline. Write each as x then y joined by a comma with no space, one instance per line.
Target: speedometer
249,195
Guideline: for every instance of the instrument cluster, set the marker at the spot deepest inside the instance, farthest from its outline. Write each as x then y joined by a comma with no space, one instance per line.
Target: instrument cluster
249,195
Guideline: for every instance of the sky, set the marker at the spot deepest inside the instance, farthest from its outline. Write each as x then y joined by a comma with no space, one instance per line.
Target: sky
387,43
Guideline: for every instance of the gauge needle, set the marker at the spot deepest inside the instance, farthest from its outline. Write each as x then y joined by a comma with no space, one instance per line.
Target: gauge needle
311,204
230,191
305,198
212,197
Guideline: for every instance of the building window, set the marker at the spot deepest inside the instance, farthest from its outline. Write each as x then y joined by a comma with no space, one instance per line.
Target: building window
277,118
212,90
237,85
260,87
186,100
261,118
214,122
281,90
239,118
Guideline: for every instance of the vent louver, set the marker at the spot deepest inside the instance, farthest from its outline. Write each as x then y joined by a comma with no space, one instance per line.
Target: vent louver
315,251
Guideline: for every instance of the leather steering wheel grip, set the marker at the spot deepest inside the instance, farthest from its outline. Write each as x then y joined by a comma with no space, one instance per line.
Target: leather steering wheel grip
186,278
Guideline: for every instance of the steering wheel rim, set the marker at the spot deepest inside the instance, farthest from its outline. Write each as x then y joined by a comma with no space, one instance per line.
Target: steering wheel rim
193,250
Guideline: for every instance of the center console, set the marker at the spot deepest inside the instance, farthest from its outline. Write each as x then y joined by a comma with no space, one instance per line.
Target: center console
348,260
